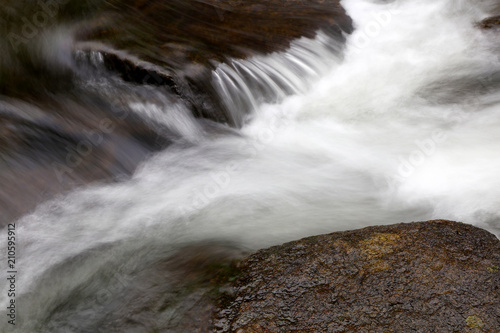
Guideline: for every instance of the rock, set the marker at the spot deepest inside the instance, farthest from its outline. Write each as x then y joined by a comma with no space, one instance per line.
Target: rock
490,23
436,276
176,294
178,33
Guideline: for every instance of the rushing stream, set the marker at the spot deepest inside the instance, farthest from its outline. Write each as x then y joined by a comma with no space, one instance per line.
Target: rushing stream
400,126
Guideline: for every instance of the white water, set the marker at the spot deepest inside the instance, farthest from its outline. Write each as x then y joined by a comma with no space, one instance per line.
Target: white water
403,128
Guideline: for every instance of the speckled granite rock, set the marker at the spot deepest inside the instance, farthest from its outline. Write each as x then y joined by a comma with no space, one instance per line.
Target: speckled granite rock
436,276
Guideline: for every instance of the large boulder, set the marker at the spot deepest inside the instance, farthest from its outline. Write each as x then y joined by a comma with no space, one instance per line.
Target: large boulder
180,33
436,276
490,22
179,42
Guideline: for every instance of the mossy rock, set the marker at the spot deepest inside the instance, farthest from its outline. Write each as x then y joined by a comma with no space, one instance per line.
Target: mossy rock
436,276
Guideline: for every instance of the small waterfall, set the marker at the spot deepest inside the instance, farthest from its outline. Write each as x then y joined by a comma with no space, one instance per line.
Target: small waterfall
244,85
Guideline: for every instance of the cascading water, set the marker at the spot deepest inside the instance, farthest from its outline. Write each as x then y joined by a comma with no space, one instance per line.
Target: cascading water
403,128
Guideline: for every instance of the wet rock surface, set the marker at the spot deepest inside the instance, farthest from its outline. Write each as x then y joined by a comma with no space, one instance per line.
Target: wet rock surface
176,294
436,276
43,154
180,33
188,38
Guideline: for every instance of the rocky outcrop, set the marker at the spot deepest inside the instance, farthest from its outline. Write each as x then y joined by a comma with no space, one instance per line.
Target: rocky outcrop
436,276
180,33
183,40
49,118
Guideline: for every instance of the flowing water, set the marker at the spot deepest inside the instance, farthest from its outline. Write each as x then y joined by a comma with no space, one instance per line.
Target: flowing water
402,127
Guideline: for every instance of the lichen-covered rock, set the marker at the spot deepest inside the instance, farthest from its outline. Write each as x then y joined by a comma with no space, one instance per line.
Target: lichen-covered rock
436,276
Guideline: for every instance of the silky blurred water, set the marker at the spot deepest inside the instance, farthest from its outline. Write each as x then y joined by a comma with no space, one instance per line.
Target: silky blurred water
402,127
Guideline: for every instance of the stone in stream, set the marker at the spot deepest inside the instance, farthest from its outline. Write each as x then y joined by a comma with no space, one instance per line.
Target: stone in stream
436,276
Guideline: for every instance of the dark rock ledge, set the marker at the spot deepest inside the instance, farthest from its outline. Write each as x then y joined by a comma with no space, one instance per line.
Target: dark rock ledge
178,43
490,23
436,276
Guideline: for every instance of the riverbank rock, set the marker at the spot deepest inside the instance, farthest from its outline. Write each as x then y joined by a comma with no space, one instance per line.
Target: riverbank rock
436,276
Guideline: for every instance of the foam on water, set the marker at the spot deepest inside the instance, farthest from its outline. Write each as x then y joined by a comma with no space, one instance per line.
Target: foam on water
404,128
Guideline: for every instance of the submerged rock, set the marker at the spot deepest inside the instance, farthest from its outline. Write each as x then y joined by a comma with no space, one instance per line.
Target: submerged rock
490,23
436,276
